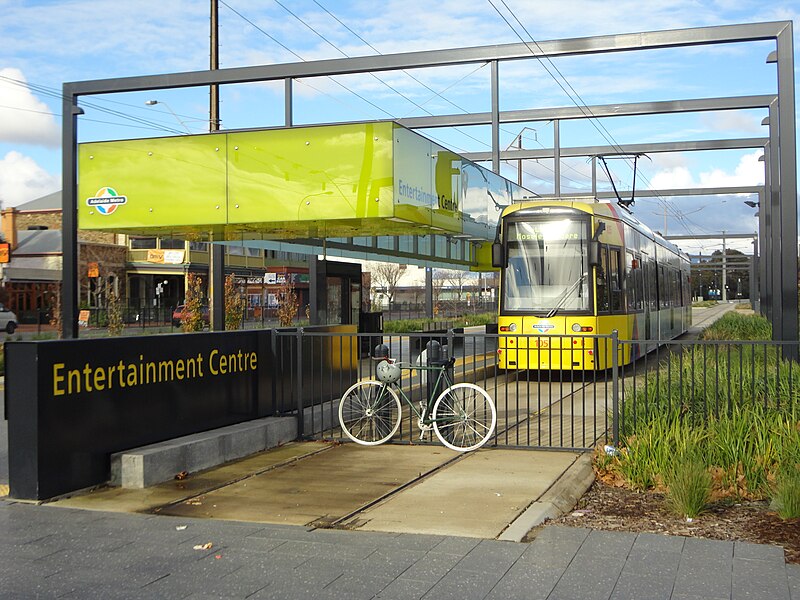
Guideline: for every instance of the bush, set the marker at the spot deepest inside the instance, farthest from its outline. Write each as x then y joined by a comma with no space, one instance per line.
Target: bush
786,498
735,326
688,486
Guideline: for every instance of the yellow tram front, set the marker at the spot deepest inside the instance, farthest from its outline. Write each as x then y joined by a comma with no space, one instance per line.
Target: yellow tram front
549,261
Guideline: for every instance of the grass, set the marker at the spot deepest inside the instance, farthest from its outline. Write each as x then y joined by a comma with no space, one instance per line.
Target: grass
786,497
688,486
736,326
717,422
704,303
414,325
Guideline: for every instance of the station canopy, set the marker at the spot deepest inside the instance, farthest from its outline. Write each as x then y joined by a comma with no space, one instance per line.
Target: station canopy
371,190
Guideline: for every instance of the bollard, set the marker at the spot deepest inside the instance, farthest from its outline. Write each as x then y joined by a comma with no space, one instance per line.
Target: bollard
436,358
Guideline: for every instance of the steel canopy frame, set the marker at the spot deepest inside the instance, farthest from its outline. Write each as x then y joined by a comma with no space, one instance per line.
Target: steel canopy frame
781,188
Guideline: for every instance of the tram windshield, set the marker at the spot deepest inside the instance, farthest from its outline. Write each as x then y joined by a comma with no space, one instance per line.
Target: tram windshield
548,266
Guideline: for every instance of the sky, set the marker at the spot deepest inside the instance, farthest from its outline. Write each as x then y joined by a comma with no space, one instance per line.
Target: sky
47,43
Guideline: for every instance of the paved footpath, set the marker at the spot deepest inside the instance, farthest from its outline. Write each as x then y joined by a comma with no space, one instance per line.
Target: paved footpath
50,552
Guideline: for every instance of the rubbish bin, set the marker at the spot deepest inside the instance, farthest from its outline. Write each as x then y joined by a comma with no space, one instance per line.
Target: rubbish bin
369,322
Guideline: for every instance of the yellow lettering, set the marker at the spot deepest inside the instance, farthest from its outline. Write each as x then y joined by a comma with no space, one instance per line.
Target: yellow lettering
179,367
87,370
166,370
75,375
58,391
223,364
253,361
211,362
99,379
111,370
151,370
132,379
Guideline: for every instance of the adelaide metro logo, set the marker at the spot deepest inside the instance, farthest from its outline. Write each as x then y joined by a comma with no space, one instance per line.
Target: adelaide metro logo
106,201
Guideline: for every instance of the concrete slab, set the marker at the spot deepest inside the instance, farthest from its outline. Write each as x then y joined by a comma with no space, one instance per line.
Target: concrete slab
117,499
475,497
320,488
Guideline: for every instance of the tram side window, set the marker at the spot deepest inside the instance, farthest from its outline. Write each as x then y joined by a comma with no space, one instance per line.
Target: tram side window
652,290
663,288
632,285
614,281
602,281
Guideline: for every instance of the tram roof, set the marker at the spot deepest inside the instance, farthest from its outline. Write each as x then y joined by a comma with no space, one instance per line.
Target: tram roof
610,210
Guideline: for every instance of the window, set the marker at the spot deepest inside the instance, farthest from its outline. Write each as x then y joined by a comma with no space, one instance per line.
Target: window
171,244
602,281
548,267
143,243
615,280
198,246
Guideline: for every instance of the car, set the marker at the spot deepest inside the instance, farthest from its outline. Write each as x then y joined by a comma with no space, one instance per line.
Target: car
177,315
8,320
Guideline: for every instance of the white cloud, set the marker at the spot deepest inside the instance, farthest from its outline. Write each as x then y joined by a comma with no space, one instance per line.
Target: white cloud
733,121
22,179
24,119
748,172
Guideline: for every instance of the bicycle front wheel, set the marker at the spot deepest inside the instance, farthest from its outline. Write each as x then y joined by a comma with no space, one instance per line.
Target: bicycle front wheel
369,413
464,417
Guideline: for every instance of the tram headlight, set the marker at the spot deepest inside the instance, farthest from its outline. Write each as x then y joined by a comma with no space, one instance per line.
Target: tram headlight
512,328
576,327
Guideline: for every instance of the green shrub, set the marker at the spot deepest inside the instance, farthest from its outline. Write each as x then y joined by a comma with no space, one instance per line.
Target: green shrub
735,326
786,498
688,485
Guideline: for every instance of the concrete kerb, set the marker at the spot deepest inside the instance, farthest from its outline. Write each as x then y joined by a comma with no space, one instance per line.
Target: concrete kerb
156,463
557,500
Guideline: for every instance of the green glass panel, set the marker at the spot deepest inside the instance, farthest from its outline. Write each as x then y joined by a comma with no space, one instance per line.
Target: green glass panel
159,183
306,176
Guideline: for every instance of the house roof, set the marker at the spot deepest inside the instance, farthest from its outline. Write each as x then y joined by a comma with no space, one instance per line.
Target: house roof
48,202
38,241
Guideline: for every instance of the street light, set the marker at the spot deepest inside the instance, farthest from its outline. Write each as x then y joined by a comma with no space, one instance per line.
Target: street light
174,114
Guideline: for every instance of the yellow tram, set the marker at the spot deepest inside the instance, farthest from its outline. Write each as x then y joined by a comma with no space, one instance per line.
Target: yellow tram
573,270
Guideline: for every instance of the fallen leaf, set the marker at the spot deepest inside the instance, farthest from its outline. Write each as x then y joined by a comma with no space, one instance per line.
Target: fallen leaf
180,527
206,546
182,475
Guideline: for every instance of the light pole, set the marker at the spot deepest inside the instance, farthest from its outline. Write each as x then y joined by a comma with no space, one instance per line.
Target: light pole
174,114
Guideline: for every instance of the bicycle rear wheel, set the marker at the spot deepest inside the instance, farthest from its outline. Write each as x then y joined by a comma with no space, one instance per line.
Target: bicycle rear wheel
369,413
464,417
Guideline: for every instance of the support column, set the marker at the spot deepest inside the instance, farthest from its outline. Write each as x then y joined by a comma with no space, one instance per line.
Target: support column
287,102
787,203
724,269
216,255
754,278
774,226
557,157
69,213
429,292
495,77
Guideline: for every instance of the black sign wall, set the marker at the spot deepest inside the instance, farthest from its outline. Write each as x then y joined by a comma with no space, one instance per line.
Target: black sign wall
72,403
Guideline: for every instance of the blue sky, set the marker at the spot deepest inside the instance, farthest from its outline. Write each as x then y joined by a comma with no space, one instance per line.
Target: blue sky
47,43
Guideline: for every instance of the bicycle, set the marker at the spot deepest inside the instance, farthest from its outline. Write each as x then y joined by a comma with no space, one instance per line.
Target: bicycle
463,416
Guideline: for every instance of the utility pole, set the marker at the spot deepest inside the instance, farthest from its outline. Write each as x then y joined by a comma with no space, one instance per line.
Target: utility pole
724,269
216,263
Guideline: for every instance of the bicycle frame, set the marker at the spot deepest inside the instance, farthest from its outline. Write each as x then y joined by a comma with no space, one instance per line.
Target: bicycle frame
443,382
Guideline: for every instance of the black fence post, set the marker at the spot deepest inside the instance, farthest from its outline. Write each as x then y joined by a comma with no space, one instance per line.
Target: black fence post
615,388
299,375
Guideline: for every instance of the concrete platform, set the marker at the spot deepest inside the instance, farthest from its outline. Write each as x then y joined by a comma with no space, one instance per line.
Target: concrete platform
315,484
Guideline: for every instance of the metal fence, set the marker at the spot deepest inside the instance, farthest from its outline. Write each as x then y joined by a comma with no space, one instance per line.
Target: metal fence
541,409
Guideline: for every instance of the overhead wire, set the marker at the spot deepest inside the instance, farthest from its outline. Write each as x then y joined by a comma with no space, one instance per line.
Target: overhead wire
582,106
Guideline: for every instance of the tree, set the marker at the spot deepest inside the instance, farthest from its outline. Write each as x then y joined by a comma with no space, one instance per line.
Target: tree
234,305
387,275
288,304
114,308
192,316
